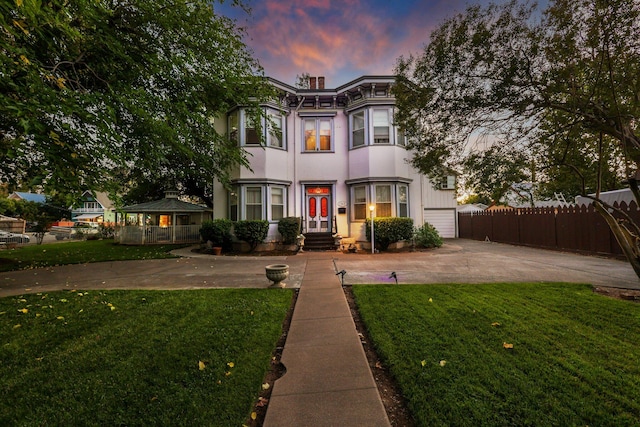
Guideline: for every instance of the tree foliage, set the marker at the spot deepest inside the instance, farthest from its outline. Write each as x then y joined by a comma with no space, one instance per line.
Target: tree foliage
533,81
105,94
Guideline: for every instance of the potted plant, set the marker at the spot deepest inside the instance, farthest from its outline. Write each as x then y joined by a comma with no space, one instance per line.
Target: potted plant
218,232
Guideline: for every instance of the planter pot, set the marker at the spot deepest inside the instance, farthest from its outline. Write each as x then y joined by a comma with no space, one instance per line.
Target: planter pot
277,273
217,250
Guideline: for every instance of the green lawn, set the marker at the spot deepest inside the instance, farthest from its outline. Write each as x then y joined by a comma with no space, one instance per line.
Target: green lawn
77,253
575,358
136,358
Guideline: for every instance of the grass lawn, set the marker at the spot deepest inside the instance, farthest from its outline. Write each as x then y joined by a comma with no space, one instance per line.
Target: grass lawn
136,358
77,253
575,358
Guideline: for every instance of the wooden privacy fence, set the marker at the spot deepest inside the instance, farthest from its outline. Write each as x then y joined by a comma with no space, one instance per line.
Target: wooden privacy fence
573,228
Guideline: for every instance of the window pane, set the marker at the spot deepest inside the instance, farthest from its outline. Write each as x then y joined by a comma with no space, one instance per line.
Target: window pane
254,212
383,209
275,131
233,205
251,133
360,212
325,135
360,202
310,135
253,205
254,195
233,126
383,193
277,203
360,195
381,126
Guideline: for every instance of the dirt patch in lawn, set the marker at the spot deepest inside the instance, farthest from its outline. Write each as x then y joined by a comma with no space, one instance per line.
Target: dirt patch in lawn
618,293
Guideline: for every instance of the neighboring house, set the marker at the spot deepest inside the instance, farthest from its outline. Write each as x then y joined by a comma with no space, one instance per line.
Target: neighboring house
95,208
471,208
28,197
331,154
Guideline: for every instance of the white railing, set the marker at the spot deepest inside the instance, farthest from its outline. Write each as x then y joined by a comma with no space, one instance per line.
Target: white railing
153,234
88,210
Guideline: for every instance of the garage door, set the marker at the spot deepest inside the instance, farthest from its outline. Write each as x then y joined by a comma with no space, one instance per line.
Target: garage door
444,220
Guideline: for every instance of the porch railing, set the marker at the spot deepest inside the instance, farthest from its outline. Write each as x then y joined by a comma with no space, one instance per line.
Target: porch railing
152,234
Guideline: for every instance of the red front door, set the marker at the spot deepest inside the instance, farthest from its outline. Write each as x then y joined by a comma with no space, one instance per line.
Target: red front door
318,209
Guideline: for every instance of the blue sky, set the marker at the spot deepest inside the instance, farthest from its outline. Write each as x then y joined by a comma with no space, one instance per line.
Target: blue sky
339,39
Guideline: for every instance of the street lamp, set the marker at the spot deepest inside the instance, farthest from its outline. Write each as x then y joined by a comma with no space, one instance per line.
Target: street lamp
371,209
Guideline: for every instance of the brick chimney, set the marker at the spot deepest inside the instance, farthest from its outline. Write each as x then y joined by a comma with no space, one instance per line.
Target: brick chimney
321,82
312,82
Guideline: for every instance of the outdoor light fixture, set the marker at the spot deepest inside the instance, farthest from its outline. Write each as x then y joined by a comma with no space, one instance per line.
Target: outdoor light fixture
341,273
393,276
373,245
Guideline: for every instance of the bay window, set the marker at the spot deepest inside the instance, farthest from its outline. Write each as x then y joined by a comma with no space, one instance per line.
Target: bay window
357,129
258,201
390,200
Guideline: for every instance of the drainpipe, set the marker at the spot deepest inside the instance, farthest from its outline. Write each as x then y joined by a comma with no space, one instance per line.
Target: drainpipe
295,155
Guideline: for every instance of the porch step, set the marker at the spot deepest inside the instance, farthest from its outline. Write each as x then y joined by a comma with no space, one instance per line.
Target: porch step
319,242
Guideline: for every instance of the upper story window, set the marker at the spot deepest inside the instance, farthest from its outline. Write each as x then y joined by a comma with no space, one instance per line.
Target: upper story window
357,129
447,182
381,127
373,126
275,134
317,134
244,130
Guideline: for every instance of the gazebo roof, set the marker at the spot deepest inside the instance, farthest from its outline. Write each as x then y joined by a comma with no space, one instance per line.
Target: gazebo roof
168,204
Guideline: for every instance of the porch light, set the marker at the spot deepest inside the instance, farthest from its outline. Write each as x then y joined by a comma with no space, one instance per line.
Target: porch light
371,209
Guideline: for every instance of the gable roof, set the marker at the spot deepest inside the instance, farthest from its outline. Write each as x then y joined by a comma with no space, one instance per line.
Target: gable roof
164,205
29,197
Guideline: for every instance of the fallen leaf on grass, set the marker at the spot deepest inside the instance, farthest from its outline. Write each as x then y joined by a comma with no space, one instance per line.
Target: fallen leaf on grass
430,299
507,345
60,317
254,415
17,326
423,362
231,364
265,386
24,310
495,324
443,362
201,365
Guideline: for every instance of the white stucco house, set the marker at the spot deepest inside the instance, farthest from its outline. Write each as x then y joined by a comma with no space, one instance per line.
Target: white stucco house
336,153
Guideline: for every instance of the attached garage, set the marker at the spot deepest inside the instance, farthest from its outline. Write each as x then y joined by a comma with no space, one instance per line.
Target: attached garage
444,220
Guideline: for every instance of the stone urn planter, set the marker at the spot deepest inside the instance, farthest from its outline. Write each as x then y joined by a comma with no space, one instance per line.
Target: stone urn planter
277,273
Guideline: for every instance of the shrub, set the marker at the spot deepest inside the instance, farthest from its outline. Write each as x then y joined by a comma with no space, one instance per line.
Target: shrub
252,231
289,228
106,231
218,232
389,230
427,236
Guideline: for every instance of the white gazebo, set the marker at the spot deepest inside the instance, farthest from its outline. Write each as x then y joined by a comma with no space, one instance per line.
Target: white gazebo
168,220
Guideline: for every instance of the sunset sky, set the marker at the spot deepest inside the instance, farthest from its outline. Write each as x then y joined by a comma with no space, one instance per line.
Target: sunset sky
339,39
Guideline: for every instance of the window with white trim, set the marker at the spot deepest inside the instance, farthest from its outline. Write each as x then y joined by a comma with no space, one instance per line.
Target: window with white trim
257,202
317,134
448,182
381,126
233,126
390,199
357,129
253,205
403,201
275,135
277,203
360,202
383,200
251,136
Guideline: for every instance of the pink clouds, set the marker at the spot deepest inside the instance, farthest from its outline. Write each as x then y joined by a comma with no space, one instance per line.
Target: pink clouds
341,40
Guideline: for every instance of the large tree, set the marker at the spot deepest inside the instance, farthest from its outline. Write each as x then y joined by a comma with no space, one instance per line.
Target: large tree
530,80
103,94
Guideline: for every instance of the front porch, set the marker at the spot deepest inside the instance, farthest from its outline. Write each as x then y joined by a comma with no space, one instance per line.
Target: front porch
155,234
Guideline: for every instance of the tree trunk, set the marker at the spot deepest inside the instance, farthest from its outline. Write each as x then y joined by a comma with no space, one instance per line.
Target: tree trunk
625,238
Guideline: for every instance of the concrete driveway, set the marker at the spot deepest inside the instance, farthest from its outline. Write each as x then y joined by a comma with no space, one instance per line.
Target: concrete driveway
458,261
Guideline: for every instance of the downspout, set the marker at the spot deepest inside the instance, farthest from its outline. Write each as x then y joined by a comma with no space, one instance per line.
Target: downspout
295,155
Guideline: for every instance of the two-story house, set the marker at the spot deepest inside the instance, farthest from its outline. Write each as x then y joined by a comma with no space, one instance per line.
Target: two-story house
330,157
94,208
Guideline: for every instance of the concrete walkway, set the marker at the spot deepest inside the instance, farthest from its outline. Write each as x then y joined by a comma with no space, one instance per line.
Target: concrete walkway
328,381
